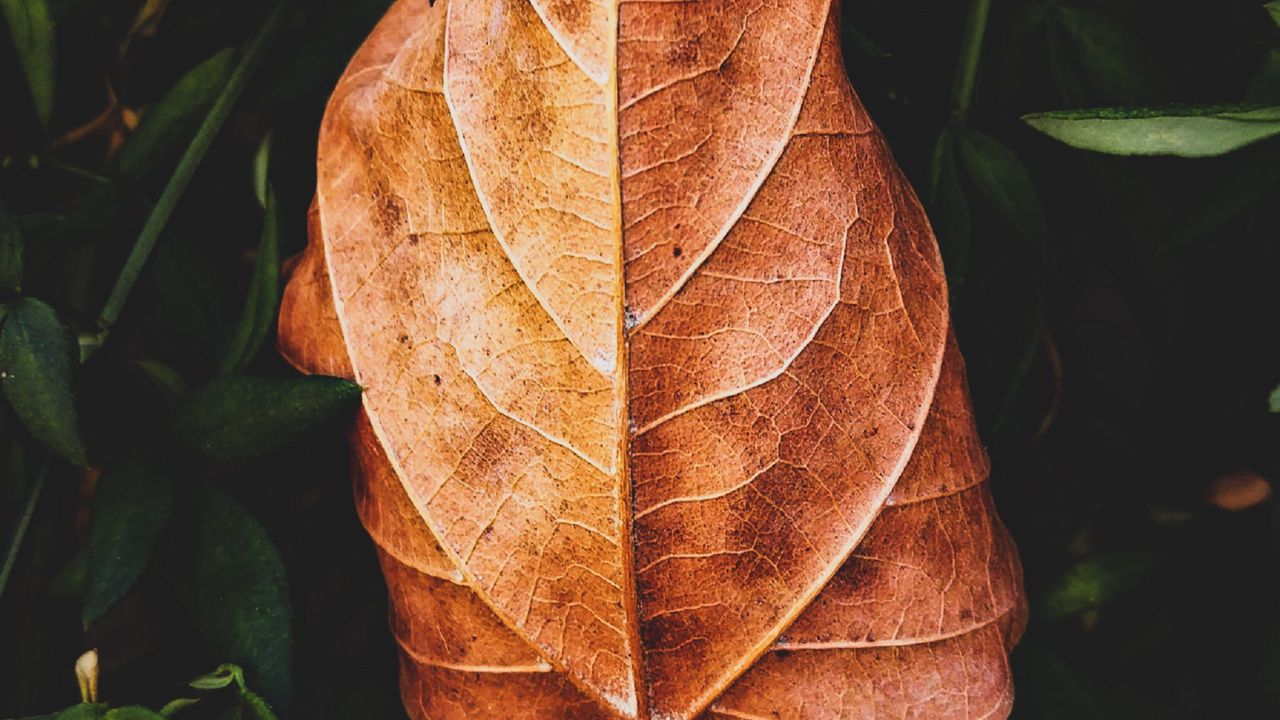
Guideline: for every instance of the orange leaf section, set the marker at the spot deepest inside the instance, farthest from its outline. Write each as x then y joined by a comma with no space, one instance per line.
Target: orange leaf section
661,417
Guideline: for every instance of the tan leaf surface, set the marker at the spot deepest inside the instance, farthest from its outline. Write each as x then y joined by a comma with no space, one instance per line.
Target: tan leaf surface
650,326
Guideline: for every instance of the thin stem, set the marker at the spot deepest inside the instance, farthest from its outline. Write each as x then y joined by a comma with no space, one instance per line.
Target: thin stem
187,166
24,522
975,29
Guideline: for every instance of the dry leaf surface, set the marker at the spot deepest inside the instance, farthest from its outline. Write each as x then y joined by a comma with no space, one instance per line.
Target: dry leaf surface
662,418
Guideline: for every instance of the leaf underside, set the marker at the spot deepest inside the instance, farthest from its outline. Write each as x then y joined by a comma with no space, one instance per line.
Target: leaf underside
661,414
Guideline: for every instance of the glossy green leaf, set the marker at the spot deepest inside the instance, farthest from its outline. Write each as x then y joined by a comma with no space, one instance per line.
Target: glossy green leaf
1094,582
132,712
1112,67
36,361
1003,181
32,32
131,507
241,593
949,209
259,314
174,118
11,248
238,417
1180,132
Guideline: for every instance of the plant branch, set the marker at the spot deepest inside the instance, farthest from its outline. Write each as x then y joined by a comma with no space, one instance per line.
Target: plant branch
24,523
975,30
186,168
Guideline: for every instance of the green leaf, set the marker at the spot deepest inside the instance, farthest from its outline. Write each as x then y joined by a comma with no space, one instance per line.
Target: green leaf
133,712
1109,58
949,209
241,593
261,168
238,417
174,118
255,707
1273,8
83,711
259,314
36,360
1094,582
1273,401
177,705
1003,181
131,508
31,29
1179,132
220,678
11,247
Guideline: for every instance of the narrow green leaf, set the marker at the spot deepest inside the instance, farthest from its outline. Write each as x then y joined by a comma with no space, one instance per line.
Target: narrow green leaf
261,168
1179,132
36,360
259,315
131,508
949,209
133,712
1003,181
1094,582
11,247
1273,401
1110,59
241,592
31,29
174,118
177,705
237,417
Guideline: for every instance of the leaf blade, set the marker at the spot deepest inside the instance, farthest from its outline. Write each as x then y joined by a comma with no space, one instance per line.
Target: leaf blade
1187,133
36,351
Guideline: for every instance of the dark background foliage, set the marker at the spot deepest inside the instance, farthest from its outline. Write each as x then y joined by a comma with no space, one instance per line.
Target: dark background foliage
1118,315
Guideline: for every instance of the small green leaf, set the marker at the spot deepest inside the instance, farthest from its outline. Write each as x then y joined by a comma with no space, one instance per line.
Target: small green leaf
1003,181
133,712
174,118
36,352
241,593
131,508
1273,8
177,705
1274,400
949,209
11,247
1094,582
220,678
1179,132
261,168
259,314
166,380
238,417
31,29
1108,56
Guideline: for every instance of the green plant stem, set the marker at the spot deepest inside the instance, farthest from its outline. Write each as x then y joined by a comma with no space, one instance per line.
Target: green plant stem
975,30
24,523
186,168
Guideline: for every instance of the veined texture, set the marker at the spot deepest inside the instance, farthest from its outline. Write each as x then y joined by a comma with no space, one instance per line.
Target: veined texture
661,415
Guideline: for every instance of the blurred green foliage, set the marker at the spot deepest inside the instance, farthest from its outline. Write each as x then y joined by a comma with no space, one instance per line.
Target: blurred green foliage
1114,291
